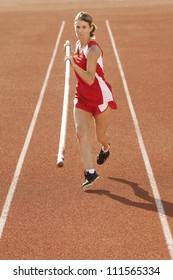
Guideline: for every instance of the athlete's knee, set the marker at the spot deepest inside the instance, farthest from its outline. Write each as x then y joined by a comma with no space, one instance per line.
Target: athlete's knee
80,132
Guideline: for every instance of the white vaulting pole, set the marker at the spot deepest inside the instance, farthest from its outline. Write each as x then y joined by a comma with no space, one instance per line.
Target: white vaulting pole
61,150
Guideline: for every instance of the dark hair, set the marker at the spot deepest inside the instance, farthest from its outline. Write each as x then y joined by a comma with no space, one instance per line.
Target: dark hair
88,18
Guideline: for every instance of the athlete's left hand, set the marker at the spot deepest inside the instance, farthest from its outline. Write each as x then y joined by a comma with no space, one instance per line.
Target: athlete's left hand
69,57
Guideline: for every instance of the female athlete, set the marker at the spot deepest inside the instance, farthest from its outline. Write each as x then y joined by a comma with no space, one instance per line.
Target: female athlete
93,97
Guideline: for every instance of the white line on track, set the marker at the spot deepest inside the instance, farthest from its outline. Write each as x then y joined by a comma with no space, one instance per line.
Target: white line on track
12,188
161,211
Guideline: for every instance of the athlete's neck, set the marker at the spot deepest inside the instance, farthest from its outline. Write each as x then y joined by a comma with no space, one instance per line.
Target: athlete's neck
83,43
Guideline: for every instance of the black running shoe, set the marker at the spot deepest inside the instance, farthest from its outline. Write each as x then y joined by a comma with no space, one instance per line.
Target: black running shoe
89,179
102,157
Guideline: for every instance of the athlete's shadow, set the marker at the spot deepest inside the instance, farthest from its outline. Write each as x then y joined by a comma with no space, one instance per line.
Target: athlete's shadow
138,191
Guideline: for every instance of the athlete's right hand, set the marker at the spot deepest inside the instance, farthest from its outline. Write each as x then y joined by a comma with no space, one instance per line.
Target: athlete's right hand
69,57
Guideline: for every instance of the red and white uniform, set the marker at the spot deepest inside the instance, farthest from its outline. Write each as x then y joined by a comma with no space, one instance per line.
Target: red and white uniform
98,94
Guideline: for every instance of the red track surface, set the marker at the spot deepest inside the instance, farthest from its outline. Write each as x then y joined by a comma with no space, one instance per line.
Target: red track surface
50,216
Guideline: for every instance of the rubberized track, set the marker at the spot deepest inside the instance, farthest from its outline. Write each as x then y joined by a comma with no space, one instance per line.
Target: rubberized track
50,217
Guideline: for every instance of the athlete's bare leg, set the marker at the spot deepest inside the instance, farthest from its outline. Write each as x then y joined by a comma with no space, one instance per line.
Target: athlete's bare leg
82,122
102,122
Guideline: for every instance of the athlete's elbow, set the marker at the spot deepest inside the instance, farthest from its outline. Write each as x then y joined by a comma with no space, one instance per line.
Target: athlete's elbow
90,81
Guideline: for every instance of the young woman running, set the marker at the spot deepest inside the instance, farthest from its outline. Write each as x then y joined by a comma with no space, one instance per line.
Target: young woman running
93,97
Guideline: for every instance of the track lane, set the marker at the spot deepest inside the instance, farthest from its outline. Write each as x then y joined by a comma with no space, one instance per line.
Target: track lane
156,195
152,94
12,188
57,210
21,80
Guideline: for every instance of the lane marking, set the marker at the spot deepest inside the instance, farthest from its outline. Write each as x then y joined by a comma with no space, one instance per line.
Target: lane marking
160,208
12,188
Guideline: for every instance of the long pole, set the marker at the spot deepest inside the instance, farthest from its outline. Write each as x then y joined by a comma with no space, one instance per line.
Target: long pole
61,151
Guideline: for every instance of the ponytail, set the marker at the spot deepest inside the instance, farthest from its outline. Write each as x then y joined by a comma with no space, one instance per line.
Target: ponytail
94,27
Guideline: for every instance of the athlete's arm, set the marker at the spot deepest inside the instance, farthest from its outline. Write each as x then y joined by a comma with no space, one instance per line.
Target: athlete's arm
89,75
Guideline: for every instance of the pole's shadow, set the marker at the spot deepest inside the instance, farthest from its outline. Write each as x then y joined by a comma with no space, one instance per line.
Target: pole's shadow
139,192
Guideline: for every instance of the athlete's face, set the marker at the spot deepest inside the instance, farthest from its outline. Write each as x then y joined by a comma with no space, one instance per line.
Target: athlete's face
82,29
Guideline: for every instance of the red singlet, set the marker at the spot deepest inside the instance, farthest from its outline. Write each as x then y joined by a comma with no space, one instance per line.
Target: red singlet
100,92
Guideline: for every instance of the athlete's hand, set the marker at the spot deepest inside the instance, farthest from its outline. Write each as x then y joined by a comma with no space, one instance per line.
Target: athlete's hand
69,57
67,43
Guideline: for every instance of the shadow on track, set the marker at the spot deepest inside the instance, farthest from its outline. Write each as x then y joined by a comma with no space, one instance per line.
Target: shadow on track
139,192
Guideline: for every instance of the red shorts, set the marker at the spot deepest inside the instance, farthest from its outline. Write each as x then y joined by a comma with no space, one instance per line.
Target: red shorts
95,110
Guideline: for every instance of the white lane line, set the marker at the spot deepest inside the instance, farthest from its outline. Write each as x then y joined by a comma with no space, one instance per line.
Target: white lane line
12,188
160,208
